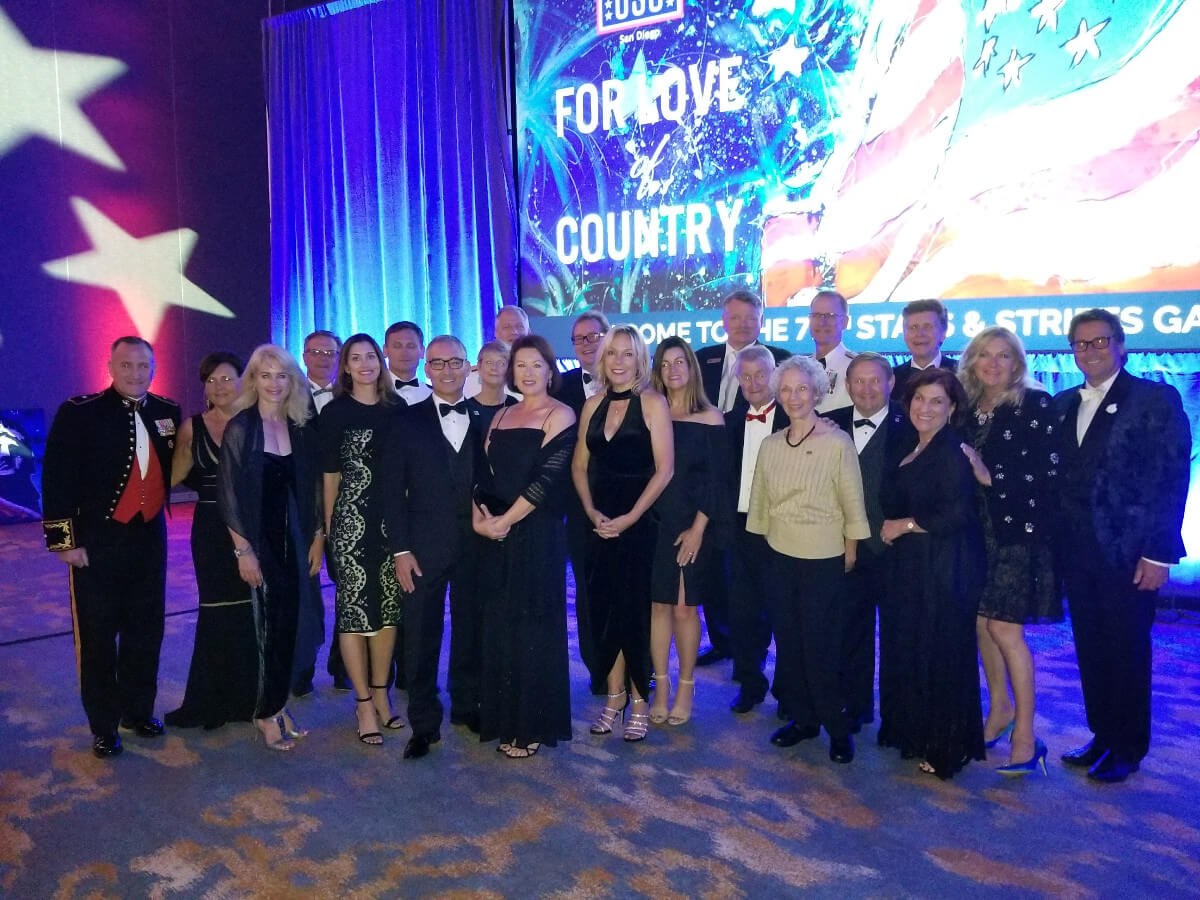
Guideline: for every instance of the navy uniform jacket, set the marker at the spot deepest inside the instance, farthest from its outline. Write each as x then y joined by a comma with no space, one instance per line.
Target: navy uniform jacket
90,454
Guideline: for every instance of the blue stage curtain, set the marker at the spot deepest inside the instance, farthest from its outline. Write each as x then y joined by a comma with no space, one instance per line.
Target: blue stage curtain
391,168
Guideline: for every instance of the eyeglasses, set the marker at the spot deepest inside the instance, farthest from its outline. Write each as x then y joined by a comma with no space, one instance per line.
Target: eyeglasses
453,362
594,338
493,364
1100,343
825,317
218,379
317,351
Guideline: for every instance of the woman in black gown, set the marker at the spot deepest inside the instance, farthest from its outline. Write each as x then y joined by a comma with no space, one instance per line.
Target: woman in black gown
355,426
269,495
694,516
936,571
1011,451
221,677
525,695
623,459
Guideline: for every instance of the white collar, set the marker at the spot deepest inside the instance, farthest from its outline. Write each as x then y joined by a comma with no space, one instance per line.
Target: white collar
877,418
937,361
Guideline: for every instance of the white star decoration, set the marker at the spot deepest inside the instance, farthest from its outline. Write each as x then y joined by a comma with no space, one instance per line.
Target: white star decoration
40,93
788,59
985,57
1011,70
1084,42
1046,12
147,273
993,8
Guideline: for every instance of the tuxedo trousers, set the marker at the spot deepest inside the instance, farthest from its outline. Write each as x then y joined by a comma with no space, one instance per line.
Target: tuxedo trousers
806,599
866,585
1111,621
749,625
117,603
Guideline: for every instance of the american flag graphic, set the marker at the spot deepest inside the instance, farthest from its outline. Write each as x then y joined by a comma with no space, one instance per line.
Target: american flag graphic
1005,148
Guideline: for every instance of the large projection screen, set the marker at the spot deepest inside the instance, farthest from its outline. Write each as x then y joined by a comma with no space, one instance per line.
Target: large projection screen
1020,160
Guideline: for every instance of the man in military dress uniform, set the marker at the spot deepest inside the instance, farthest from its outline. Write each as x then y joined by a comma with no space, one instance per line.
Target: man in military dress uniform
106,479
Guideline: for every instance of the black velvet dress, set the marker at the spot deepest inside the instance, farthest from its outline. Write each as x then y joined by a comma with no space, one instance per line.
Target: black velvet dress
525,694
220,685
618,570
934,582
698,485
280,558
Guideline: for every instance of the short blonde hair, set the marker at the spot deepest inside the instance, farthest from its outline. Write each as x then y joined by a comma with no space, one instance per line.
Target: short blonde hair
641,373
298,406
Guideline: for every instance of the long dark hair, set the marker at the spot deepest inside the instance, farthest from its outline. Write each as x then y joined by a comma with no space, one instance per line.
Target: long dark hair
385,386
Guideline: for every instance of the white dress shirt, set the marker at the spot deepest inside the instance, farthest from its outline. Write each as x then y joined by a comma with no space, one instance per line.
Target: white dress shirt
837,361
454,424
864,433
756,433
591,385
321,395
141,443
917,367
1090,399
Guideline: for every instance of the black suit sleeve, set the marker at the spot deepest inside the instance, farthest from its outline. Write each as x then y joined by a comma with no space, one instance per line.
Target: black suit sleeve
396,467
1169,472
61,466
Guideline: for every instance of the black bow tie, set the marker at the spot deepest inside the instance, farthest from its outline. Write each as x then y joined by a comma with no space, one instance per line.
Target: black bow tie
319,391
587,379
859,423
403,384
446,408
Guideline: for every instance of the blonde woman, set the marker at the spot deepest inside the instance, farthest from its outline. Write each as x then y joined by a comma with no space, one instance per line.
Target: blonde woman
269,495
624,458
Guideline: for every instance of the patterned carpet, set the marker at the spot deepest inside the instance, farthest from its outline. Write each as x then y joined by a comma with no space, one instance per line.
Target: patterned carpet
706,810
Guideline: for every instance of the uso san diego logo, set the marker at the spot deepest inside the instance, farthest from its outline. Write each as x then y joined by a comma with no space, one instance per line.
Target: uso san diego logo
621,15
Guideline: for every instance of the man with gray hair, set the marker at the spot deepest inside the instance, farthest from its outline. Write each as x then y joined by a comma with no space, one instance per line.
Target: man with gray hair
925,326
746,561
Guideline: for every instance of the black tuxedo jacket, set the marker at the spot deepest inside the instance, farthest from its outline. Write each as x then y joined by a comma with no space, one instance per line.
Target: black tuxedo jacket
905,371
735,433
894,437
712,363
1130,475
570,390
90,454
428,488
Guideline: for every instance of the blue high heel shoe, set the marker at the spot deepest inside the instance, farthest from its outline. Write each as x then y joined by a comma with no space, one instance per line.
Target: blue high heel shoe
1006,733
1037,761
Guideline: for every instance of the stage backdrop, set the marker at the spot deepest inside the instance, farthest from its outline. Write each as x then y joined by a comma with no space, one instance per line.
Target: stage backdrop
133,191
391,168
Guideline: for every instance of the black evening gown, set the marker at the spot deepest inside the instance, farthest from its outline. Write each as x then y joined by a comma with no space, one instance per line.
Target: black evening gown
618,570
284,567
698,485
525,692
352,438
934,581
221,679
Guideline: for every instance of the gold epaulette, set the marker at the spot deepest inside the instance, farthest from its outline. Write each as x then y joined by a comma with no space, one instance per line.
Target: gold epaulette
59,534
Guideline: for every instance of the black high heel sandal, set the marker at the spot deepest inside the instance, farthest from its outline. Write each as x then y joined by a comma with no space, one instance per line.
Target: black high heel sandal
370,738
395,722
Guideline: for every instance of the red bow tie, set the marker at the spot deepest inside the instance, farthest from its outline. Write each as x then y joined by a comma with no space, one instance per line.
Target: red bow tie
762,416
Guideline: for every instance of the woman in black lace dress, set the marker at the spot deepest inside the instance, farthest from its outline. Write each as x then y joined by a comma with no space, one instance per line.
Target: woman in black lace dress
1009,444
936,570
355,426
694,515
623,460
525,691
220,685
269,496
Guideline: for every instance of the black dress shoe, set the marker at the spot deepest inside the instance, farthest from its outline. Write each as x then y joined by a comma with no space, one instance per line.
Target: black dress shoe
471,720
106,745
143,727
791,734
342,683
1111,768
1086,756
745,701
711,656
418,745
841,750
